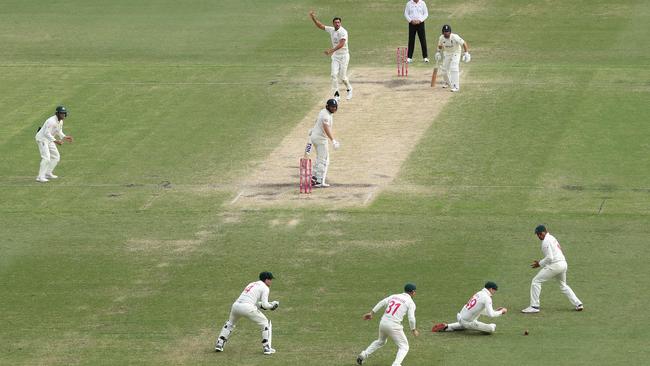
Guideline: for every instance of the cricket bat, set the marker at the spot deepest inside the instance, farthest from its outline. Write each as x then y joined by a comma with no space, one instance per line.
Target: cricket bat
434,76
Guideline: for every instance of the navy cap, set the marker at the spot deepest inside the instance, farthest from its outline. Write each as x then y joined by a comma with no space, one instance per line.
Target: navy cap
409,287
266,276
61,109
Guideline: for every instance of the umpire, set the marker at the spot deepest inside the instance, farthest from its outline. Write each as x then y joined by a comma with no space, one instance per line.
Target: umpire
416,13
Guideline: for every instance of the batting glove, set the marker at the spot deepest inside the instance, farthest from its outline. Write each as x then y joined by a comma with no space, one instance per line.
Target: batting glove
336,144
467,57
274,305
438,56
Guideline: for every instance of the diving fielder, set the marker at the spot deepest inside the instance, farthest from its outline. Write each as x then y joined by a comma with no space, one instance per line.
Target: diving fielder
46,139
450,44
479,304
553,266
390,325
339,54
254,297
319,135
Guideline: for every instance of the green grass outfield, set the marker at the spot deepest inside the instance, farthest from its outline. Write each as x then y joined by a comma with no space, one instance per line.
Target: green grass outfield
133,257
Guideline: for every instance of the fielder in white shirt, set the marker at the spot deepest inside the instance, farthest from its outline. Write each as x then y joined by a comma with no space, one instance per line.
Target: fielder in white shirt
450,44
390,325
553,266
339,53
46,139
319,137
254,297
479,304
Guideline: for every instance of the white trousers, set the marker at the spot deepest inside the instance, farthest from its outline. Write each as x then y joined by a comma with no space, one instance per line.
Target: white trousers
49,157
474,324
322,159
557,271
340,71
243,310
450,69
394,331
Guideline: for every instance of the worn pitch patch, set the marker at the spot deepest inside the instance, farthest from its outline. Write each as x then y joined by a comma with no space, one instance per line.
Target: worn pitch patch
377,130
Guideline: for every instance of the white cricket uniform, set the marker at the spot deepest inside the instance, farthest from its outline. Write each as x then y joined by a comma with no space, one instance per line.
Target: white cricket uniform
254,296
479,304
553,265
45,138
319,139
390,325
450,68
340,58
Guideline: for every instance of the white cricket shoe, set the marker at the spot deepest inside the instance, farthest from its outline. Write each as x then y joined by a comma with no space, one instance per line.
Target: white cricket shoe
409,60
445,86
42,179
51,176
349,94
530,310
321,185
453,90
268,350
426,59
580,308
218,347
361,358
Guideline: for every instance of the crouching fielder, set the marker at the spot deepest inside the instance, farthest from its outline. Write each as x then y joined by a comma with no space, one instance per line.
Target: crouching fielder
319,137
391,324
479,304
46,139
450,44
254,297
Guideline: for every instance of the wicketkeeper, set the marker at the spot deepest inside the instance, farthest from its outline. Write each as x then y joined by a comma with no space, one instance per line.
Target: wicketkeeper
254,297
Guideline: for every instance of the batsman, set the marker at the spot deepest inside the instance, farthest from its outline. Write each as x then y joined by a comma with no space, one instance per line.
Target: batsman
319,137
450,45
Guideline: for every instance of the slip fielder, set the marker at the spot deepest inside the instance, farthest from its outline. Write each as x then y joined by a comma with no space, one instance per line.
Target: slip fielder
553,265
479,304
46,139
390,326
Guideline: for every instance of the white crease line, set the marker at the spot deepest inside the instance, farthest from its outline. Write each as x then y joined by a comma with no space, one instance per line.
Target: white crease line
368,197
150,202
236,198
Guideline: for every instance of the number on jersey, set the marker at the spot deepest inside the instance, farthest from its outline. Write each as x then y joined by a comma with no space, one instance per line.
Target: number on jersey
392,307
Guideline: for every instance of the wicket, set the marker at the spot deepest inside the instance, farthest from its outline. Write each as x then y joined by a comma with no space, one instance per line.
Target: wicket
305,175
402,64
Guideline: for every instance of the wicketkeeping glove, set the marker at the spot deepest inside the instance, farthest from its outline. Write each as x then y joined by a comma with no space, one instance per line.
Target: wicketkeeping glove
467,57
438,56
